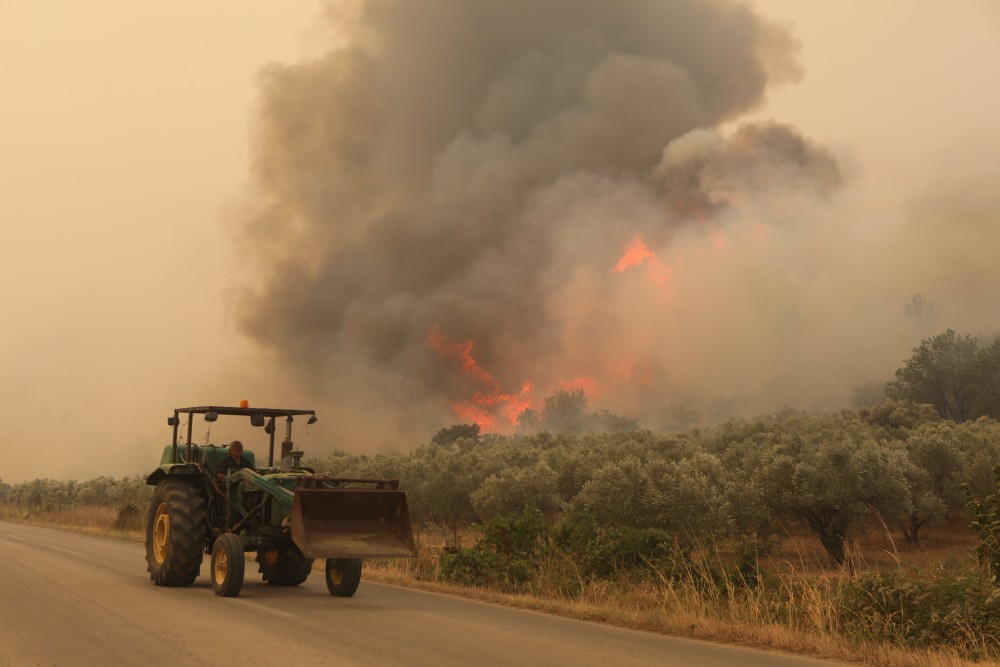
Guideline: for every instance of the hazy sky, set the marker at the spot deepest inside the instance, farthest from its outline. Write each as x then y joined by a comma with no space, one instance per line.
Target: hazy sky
125,135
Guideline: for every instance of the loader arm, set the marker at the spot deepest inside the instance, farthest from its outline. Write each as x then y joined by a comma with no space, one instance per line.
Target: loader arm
273,489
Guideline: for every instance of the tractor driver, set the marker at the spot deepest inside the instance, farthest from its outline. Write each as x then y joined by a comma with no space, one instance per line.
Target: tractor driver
234,461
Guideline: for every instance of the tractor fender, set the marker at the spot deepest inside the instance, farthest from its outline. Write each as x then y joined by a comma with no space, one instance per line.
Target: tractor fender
172,470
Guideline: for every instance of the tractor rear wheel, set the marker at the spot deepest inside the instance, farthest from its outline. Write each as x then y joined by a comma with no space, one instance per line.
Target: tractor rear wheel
228,565
175,533
286,566
343,576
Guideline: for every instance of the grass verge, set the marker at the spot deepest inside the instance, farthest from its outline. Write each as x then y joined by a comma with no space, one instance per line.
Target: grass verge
797,612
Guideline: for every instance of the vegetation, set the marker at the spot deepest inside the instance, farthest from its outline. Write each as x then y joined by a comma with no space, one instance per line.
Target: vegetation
834,475
566,412
986,523
578,502
127,497
954,374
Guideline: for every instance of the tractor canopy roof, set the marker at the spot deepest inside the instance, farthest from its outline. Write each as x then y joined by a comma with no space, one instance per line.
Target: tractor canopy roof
267,412
258,416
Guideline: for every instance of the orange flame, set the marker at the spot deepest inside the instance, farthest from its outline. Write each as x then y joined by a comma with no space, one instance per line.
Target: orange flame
638,253
460,353
488,400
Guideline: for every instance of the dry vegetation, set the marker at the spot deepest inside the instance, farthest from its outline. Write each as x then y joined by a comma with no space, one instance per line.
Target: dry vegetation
89,519
694,605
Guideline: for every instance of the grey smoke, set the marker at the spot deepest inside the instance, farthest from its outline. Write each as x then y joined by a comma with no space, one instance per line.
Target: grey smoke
479,167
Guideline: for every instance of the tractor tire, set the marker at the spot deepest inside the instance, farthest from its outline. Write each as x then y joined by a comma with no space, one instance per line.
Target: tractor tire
175,533
286,566
228,565
343,576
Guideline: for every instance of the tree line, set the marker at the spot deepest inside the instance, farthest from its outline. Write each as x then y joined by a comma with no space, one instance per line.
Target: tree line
52,494
901,462
895,462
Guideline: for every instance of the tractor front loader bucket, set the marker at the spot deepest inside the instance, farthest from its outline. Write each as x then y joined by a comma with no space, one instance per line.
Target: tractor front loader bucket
352,523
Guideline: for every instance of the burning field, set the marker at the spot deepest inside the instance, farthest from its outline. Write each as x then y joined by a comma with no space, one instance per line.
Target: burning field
465,207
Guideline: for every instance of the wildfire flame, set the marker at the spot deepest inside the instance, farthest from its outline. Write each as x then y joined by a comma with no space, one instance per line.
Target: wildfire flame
488,401
638,253
497,410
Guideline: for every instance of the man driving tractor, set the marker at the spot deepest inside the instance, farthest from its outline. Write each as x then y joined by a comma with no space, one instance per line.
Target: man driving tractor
234,461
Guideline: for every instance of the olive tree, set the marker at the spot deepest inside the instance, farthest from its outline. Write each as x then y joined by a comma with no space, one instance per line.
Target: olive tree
439,482
456,432
688,498
512,490
949,372
939,467
566,412
835,487
618,494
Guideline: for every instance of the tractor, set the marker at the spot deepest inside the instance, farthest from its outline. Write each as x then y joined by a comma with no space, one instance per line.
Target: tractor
285,514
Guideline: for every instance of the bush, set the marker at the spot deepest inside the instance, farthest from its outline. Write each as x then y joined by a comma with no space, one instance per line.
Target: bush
946,609
605,552
508,554
469,567
130,517
986,524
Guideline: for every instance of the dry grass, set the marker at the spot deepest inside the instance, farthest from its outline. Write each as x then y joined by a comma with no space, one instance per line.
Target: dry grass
949,545
682,606
92,520
690,607
682,611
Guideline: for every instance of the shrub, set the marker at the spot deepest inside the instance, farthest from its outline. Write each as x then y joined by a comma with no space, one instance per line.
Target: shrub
947,609
469,567
508,554
130,517
986,524
605,552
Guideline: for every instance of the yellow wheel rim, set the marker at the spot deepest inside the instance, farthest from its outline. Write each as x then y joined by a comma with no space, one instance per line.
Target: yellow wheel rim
161,533
221,565
336,575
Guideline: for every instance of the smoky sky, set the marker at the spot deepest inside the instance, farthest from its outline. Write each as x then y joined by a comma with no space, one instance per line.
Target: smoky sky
470,174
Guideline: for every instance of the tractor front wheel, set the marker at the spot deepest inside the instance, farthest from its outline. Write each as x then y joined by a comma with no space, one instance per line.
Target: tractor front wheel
228,564
175,533
343,576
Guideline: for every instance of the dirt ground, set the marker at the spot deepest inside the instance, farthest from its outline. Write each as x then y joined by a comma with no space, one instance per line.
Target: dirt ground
949,546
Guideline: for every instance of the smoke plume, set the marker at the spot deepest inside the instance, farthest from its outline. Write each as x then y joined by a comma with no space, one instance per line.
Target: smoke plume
469,205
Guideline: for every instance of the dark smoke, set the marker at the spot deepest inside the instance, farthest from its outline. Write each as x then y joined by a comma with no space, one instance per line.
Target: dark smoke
478,168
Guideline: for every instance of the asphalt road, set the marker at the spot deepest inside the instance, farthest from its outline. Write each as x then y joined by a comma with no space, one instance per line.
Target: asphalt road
71,599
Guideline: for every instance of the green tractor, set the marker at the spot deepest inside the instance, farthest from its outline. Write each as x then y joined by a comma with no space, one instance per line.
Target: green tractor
283,513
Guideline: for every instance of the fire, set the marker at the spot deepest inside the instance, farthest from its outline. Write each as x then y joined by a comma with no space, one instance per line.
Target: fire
460,353
488,401
638,253
635,254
